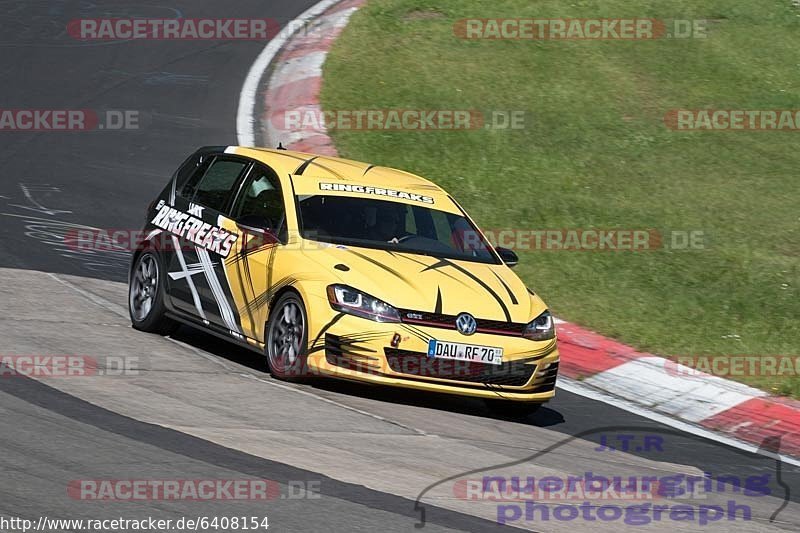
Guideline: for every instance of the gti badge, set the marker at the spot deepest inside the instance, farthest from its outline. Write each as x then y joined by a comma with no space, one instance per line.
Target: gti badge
465,324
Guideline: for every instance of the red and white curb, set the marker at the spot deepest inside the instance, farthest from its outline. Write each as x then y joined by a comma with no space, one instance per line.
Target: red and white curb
661,386
287,77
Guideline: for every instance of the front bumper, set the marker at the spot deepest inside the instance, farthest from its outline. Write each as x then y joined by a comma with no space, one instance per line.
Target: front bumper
353,348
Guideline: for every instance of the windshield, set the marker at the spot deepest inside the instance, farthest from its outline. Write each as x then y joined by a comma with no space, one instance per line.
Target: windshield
388,225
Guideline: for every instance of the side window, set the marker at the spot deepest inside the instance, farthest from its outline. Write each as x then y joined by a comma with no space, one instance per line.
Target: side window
216,186
191,173
261,196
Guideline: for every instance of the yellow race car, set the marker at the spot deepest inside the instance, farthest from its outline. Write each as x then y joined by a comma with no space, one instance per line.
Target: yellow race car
331,267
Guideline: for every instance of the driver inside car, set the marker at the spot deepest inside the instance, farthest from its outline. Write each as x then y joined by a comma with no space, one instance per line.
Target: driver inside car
387,223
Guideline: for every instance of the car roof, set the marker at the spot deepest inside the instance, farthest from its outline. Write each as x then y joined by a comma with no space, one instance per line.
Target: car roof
313,169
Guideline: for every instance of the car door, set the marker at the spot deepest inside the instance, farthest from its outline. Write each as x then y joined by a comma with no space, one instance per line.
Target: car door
259,213
202,241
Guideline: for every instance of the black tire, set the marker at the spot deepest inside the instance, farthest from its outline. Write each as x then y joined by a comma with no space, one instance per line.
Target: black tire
512,409
153,318
286,346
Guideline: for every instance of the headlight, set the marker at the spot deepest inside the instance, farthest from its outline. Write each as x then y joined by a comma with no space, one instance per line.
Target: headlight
348,300
542,328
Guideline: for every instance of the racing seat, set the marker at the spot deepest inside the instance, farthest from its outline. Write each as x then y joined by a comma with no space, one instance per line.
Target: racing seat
266,204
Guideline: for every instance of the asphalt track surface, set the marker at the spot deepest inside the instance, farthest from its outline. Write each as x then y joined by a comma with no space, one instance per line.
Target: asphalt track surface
200,409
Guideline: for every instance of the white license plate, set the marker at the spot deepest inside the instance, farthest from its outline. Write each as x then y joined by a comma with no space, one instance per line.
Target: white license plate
465,352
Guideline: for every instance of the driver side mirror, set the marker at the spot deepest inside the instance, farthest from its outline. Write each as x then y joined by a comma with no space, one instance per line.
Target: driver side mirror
508,256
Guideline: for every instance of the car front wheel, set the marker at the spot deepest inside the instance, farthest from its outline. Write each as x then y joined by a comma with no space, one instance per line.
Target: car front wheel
287,338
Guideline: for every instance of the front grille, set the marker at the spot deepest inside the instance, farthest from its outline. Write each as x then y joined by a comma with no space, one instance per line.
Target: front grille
439,320
513,374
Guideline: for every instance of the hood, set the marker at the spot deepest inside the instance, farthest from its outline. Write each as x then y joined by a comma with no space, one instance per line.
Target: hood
423,283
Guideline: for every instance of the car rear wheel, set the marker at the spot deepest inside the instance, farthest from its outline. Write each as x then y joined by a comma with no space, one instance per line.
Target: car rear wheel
146,296
287,338
512,409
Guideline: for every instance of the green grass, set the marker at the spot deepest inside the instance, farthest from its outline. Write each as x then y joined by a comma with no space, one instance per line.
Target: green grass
597,154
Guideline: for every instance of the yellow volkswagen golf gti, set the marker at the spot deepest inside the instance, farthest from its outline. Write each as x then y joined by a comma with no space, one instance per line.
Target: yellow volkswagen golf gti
330,267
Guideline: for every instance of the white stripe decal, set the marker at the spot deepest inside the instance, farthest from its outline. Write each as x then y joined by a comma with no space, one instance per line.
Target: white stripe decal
219,294
189,280
190,271
172,191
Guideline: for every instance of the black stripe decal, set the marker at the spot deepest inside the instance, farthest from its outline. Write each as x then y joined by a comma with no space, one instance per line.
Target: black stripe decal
341,161
278,153
508,289
325,328
266,296
302,168
363,336
247,250
379,264
368,169
434,267
437,265
244,264
438,308
346,345
476,279
335,174
418,334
